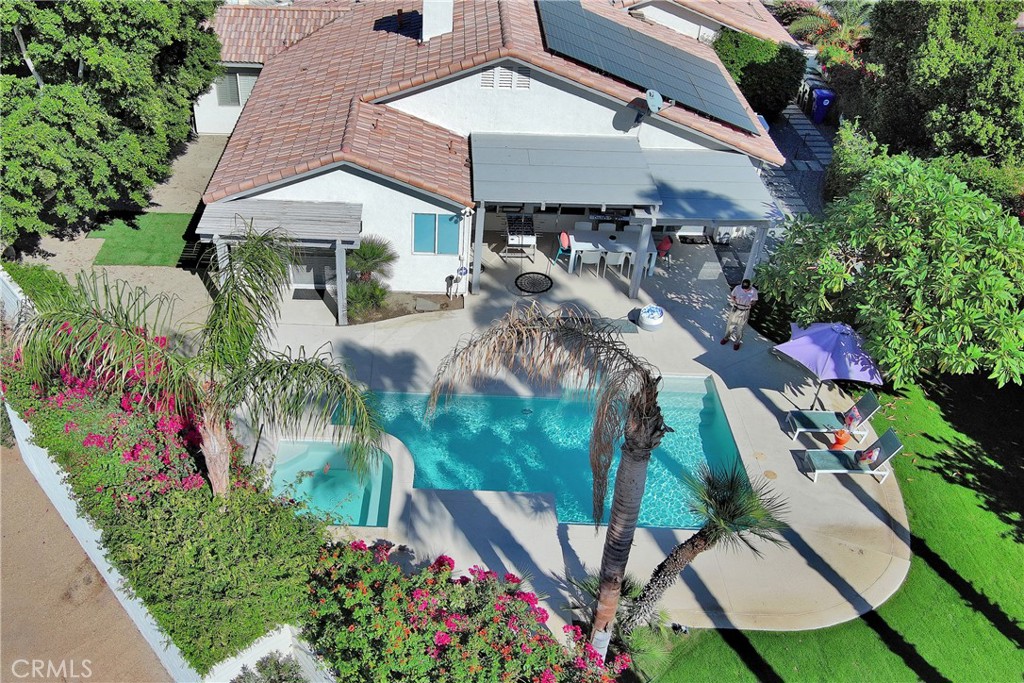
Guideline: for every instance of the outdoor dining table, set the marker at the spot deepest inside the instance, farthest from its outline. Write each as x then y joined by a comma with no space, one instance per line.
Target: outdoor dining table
629,242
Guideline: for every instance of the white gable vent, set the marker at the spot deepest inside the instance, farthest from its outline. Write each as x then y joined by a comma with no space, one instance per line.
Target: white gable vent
487,79
504,78
523,77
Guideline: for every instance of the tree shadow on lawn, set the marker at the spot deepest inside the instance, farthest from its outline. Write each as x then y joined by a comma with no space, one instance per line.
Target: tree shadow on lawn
992,466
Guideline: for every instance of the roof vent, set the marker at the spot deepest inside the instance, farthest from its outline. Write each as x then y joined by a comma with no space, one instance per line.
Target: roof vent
438,18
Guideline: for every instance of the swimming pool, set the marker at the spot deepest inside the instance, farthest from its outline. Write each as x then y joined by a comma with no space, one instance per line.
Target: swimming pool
508,443
502,443
318,473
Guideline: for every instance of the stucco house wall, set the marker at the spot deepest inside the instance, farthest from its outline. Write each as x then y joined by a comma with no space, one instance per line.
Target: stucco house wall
682,20
388,209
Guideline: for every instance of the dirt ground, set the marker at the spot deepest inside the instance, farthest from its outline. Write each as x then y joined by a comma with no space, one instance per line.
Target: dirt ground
404,303
54,605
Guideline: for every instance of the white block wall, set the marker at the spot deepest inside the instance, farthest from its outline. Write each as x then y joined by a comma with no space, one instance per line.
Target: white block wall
682,20
212,118
387,211
549,106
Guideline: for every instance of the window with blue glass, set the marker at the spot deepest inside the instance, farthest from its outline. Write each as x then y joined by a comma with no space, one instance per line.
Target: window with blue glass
435,233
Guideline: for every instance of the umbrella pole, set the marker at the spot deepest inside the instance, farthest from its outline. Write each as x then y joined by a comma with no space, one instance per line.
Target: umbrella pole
816,392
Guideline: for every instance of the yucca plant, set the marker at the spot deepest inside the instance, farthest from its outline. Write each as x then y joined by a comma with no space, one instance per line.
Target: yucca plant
732,510
375,256
224,365
564,349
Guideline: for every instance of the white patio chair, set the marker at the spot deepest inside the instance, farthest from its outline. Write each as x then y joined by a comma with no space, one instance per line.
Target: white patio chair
606,227
615,258
593,258
580,226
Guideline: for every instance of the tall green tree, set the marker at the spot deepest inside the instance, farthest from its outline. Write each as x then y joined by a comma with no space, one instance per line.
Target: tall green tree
562,349
952,77
223,366
733,510
95,97
928,270
768,74
838,22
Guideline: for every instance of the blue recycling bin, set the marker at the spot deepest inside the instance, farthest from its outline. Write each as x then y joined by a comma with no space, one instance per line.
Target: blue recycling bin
823,101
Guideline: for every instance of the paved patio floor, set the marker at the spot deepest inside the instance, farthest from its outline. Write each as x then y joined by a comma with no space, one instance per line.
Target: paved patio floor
849,540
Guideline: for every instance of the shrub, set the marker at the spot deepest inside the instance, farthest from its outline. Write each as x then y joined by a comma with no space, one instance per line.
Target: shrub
364,296
767,74
1003,183
272,669
37,281
788,11
373,623
216,574
853,156
375,256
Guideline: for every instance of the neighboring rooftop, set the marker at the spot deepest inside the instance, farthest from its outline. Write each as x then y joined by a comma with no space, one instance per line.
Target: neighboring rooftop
253,34
746,16
319,102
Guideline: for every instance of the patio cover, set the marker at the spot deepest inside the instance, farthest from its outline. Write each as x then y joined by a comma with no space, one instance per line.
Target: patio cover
704,187
700,187
560,169
309,223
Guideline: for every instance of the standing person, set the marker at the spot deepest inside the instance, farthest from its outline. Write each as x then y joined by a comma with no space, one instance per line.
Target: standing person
741,298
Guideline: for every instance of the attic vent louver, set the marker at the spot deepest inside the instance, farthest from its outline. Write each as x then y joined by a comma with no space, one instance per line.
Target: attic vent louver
522,77
487,79
504,78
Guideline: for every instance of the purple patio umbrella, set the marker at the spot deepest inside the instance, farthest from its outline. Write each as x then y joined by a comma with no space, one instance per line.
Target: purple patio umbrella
830,351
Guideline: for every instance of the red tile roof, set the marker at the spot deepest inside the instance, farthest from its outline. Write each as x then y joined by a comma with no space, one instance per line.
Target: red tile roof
254,34
747,16
318,102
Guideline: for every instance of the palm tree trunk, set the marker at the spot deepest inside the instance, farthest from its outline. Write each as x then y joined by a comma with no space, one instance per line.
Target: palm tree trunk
644,431
664,576
217,451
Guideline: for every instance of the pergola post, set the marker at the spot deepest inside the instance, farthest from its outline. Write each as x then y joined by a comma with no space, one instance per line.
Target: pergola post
755,250
641,265
221,248
478,247
341,275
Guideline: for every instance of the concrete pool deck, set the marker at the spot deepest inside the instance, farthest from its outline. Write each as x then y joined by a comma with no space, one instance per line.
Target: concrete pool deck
848,545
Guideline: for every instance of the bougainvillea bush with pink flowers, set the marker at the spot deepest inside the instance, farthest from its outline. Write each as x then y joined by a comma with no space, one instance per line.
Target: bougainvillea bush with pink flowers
372,622
215,574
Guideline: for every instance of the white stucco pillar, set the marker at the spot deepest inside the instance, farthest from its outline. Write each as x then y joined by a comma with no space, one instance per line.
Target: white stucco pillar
755,251
341,274
478,246
641,258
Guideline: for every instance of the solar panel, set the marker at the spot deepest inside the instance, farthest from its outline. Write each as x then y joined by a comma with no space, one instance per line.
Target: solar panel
641,60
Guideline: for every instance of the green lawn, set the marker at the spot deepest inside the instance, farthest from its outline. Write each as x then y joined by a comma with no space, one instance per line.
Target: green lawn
150,239
959,615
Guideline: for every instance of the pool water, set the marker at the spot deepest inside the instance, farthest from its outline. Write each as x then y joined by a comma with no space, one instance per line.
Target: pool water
502,443
318,473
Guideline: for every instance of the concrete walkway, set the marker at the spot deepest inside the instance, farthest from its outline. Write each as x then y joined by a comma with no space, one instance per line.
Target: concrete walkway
56,607
849,542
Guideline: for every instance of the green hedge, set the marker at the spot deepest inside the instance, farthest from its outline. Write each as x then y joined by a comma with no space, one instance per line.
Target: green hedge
37,281
768,74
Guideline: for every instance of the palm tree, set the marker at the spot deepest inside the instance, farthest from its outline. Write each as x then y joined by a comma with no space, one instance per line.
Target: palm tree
223,366
564,349
844,23
374,256
733,510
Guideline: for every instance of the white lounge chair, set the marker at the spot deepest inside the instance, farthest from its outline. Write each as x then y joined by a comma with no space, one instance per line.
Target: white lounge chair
848,462
816,421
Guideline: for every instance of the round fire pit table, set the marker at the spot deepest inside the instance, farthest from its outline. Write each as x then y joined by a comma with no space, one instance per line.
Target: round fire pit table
651,317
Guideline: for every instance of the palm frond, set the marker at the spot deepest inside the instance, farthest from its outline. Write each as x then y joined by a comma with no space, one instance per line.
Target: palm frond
733,508
248,300
101,326
560,349
298,392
